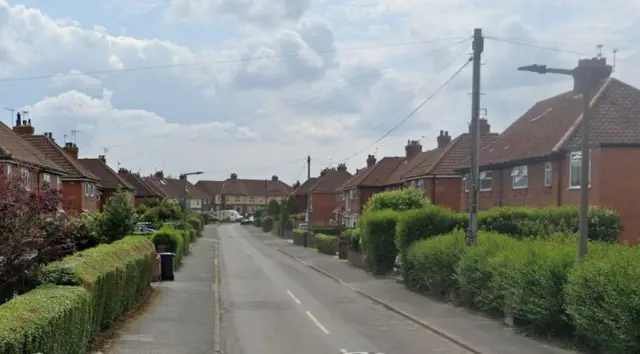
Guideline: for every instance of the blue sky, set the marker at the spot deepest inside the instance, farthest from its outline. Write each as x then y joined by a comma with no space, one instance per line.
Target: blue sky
340,74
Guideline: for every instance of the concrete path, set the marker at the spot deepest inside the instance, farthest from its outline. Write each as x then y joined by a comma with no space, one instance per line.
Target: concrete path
273,304
181,317
473,331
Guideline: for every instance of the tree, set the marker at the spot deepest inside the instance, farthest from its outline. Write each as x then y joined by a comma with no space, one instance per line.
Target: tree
296,185
290,203
273,208
118,219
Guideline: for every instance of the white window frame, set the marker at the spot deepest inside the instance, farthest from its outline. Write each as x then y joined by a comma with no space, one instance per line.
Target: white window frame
575,161
46,178
522,172
548,178
8,170
26,179
486,176
352,194
421,184
465,181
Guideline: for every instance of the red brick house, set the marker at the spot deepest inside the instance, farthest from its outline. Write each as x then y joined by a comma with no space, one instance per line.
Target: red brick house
536,161
354,194
301,194
177,189
18,157
434,173
413,149
213,190
247,195
142,190
79,186
110,181
323,197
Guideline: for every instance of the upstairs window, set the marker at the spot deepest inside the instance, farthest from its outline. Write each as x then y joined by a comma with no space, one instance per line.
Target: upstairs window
520,177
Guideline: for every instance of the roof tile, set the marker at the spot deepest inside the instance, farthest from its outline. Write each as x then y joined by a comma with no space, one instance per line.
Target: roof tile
55,153
13,147
109,179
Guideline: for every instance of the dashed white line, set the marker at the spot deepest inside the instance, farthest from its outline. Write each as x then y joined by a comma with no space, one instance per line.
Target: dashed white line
315,320
293,297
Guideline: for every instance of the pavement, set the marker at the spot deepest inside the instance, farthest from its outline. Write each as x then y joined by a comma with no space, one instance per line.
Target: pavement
181,317
445,323
273,304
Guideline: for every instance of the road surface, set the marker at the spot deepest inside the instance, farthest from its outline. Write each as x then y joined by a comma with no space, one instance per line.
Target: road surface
272,304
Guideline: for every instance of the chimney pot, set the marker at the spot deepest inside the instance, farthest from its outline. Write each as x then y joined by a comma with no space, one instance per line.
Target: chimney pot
71,149
590,73
412,149
444,139
485,127
371,160
234,176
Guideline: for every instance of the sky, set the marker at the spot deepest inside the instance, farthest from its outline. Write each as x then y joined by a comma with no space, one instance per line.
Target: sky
253,87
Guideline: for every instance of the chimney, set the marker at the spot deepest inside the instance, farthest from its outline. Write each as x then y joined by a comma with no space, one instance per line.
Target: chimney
234,176
23,127
589,73
49,135
274,178
102,158
412,149
123,171
371,160
324,171
341,167
183,177
159,174
71,149
485,127
443,139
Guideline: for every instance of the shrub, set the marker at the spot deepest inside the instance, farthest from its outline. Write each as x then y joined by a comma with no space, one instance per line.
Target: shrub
332,231
116,275
196,224
288,226
378,234
418,224
171,240
298,236
50,319
257,222
118,218
273,208
327,244
601,299
353,238
401,200
267,224
431,263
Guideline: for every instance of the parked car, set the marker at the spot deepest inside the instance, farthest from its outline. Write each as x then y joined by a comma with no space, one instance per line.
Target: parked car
245,221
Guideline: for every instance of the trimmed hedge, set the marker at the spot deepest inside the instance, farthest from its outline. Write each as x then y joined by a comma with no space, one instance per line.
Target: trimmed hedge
196,224
298,236
267,224
172,240
331,231
353,239
378,240
50,319
400,200
327,244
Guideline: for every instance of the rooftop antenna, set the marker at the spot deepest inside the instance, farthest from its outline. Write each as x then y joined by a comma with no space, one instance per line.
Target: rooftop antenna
422,139
65,138
485,112
375,152
106,150
74,134
118,165
599,50
615,51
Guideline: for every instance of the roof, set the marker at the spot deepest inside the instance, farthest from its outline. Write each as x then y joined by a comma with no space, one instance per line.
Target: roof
174,188
331,180
444,161
13,147
255,187
376,175
142,189
306,186
109,179
154,185
55,153
406,166
211,188
553,125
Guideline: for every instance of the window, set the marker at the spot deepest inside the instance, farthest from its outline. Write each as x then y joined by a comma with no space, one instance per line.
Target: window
421,184
352,194
46,178
26,179
413,184
520,177
465,181
236,198
250,199
86,189
8,170
547,174
485,181
575,165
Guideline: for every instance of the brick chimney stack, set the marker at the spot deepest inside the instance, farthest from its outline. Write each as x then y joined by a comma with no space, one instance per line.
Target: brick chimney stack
274,178
159,174
234,176
341,167
123,171
589,73
485,127
443,139
23,127
371,160
102,158
412,149
71,149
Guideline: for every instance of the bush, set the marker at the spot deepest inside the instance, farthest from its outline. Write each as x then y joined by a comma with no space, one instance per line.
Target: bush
602,301
50,319
171,240
378,240
604,224
418,224
332,231
298,236
288,226
196,224
118,218
353,239
327,244
401,200
257,222
116,275
431,263
267,224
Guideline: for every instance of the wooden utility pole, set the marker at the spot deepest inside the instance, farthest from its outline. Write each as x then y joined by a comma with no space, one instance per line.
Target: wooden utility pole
478,48
310,195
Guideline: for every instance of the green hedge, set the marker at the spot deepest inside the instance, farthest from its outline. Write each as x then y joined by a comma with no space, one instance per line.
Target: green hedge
353,239
331,231
267,224
298,236
378,240
117,276
50,319
327,244
257,222
172,240
400,200
196,224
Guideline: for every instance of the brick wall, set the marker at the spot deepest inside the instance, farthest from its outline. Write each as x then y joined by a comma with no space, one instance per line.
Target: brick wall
323,206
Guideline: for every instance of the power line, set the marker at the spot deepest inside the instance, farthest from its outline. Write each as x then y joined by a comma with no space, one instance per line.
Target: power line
226,61
531,45
410,114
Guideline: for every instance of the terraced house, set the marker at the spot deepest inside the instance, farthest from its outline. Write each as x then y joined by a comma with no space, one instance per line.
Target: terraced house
142,190
536,161
110,181
177,190
213,191
17,157
323,198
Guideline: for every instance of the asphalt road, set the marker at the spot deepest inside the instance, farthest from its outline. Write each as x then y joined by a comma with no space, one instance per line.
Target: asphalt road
272,304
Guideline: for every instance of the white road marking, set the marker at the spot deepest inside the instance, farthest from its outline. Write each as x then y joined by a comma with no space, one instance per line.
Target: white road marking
293,297
343,351
315,320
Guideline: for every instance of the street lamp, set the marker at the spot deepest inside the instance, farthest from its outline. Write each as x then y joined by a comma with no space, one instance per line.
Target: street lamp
588,72
183,177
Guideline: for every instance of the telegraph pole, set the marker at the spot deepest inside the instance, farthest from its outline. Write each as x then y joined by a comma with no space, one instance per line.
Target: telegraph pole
310,195
478,48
